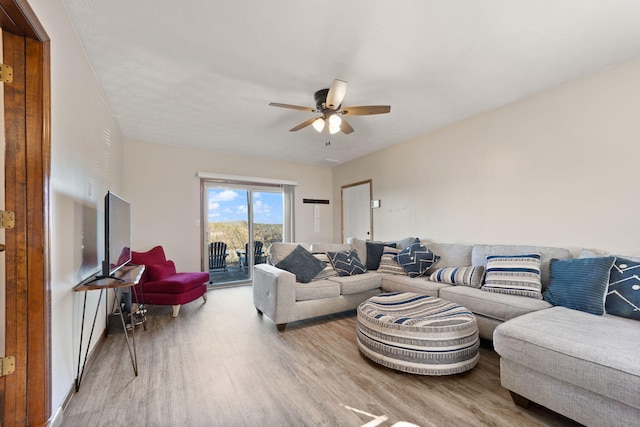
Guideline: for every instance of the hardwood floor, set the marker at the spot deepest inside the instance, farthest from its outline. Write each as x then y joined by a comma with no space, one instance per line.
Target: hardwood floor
222,364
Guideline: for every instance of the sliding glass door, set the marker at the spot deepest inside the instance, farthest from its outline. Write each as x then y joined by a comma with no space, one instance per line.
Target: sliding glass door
240,221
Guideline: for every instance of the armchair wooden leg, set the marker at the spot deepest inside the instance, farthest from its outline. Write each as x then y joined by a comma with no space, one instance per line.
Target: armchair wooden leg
176,310
204,297
281,327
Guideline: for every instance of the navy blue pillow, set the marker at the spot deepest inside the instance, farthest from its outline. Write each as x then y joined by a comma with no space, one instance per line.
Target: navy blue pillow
302,263
416,259
346,263
623,295
580,283
374,253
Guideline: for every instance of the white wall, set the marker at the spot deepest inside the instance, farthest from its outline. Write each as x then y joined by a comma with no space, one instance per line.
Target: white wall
164,191
86,152
559,169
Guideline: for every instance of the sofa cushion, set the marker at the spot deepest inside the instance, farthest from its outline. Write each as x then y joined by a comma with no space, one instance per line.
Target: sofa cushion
328,270
346,263
416,258
513,275
596,353
330,247
623,293
316,289
160,270
388,263
580,284
497,306
403,283
358,283
279,251
479,255
176,284
359,246
301,263
451,255
464,276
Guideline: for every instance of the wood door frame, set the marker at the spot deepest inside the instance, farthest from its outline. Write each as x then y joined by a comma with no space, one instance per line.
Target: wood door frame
25,395
355,184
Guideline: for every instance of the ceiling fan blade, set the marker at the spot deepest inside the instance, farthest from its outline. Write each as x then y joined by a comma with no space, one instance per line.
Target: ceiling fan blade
345,127
365,110
303,124
336,94
293,107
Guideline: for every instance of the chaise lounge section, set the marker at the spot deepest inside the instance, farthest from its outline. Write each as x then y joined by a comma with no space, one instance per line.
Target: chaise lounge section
160,284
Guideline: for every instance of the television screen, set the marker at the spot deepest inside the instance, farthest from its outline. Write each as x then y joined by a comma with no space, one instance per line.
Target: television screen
117,233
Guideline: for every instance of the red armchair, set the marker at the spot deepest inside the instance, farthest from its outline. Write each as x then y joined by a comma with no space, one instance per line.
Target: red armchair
161,285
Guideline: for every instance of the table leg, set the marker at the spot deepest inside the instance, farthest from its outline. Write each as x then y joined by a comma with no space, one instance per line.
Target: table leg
132,354
79,372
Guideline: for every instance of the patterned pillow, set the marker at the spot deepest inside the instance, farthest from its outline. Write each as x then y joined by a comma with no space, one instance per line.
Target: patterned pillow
464,276
346,263
301,263
388,263
514,275
416,259
580,283
623,294
328,270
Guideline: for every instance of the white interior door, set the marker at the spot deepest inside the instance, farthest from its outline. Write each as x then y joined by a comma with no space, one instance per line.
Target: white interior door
356,211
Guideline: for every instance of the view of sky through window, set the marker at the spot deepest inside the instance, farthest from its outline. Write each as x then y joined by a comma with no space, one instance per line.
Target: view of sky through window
231,205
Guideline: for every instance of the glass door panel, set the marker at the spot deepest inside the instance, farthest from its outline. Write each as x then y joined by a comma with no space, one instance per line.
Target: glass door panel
237,218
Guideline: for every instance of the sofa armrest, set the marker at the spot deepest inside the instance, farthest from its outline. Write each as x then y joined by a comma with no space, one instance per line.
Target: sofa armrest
274,292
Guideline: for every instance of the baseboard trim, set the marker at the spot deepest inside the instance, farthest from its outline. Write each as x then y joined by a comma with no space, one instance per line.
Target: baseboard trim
58,418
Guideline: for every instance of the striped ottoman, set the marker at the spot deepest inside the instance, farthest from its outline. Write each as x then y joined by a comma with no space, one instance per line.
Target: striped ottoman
418,334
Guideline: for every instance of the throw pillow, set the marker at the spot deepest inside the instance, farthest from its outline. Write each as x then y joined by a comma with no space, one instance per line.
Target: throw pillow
388,263
514,275
328,270
580,283
160,270
464,276
623,294
416,258
374,253
301,263
346,263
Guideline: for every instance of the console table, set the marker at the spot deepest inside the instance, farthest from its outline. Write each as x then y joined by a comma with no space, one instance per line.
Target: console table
126,277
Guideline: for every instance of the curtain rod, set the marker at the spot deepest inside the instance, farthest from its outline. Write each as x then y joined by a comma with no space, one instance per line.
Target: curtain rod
241,178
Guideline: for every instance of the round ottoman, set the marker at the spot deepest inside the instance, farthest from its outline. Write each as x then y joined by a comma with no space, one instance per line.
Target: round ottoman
418,334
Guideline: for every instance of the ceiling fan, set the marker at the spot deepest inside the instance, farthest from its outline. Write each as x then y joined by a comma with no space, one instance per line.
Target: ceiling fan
329,104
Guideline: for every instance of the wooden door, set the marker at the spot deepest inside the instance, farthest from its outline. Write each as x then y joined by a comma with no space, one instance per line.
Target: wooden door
25,395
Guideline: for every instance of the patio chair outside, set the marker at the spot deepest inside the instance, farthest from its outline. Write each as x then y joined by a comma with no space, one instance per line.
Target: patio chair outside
218,256
259,256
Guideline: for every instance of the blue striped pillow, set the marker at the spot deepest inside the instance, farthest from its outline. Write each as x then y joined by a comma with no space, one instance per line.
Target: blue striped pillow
464,276
514,275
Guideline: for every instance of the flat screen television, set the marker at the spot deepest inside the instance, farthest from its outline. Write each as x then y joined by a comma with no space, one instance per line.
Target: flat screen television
117,234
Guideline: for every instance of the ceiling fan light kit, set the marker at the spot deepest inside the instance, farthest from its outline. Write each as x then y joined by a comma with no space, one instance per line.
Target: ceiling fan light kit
329,103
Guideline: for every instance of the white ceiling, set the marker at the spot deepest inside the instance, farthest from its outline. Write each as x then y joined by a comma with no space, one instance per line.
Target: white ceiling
201,73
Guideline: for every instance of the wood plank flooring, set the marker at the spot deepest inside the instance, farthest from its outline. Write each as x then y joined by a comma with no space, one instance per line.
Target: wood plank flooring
222,364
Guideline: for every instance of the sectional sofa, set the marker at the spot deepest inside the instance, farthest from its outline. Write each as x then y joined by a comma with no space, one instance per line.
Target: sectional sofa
583,366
